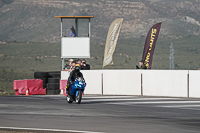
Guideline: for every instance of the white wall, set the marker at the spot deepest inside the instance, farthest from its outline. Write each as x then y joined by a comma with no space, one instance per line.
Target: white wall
122,82
194,83
93,79
64,75
171,83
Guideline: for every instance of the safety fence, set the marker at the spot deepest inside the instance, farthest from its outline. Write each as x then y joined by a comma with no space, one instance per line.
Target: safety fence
167,83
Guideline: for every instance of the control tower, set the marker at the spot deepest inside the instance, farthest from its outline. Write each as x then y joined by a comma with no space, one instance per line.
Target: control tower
79,46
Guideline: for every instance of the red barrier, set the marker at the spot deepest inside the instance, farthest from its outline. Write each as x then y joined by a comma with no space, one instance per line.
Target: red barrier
34,86
19,87
17,92
63,84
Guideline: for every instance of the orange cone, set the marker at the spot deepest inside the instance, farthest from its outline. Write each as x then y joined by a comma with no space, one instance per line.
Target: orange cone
27,93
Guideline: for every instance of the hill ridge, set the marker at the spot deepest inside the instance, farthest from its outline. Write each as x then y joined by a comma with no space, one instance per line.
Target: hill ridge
33,20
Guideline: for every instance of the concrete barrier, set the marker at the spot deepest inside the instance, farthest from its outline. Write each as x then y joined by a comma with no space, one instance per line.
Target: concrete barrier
64,75
93,79
194,83
171,83
122,82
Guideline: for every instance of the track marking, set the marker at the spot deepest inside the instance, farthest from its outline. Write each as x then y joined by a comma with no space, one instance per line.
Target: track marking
190,107
107,97
179,106
40,129
155,102
129,99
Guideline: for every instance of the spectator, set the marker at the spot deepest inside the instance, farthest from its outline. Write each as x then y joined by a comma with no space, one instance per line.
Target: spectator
73,33
79,62
68,66
142,65
70,61
84,65
72,66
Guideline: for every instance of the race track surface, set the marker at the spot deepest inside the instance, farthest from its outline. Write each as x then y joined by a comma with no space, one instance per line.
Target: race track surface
110,114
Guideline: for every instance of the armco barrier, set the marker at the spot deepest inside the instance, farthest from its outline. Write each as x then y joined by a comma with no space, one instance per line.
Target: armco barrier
122,82
171,83
194,84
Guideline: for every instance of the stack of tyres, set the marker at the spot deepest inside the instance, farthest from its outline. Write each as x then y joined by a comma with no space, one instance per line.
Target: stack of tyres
53,83
43,76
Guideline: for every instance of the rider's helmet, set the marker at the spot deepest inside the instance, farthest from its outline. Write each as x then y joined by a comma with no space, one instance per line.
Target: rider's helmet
77,68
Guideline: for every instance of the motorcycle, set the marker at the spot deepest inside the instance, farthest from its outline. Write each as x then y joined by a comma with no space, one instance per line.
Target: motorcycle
76,90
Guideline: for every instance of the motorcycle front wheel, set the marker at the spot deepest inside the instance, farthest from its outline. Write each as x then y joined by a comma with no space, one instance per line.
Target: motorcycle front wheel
69,99
79,97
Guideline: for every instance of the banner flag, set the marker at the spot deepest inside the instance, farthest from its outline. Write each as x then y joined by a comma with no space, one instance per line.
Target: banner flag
111,41
150,44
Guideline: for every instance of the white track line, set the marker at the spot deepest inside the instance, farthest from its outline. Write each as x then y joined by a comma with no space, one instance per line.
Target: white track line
132,98
40,129
102,97
190,107
179,106
120,100
153,102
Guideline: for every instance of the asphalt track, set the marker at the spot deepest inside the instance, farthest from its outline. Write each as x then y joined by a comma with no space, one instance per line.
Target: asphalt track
111,114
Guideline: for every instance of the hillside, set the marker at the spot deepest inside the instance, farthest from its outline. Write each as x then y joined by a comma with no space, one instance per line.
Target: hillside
21,60
33,20
30,34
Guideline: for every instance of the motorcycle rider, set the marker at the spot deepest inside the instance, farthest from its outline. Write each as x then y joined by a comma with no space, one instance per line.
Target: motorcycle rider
73,75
